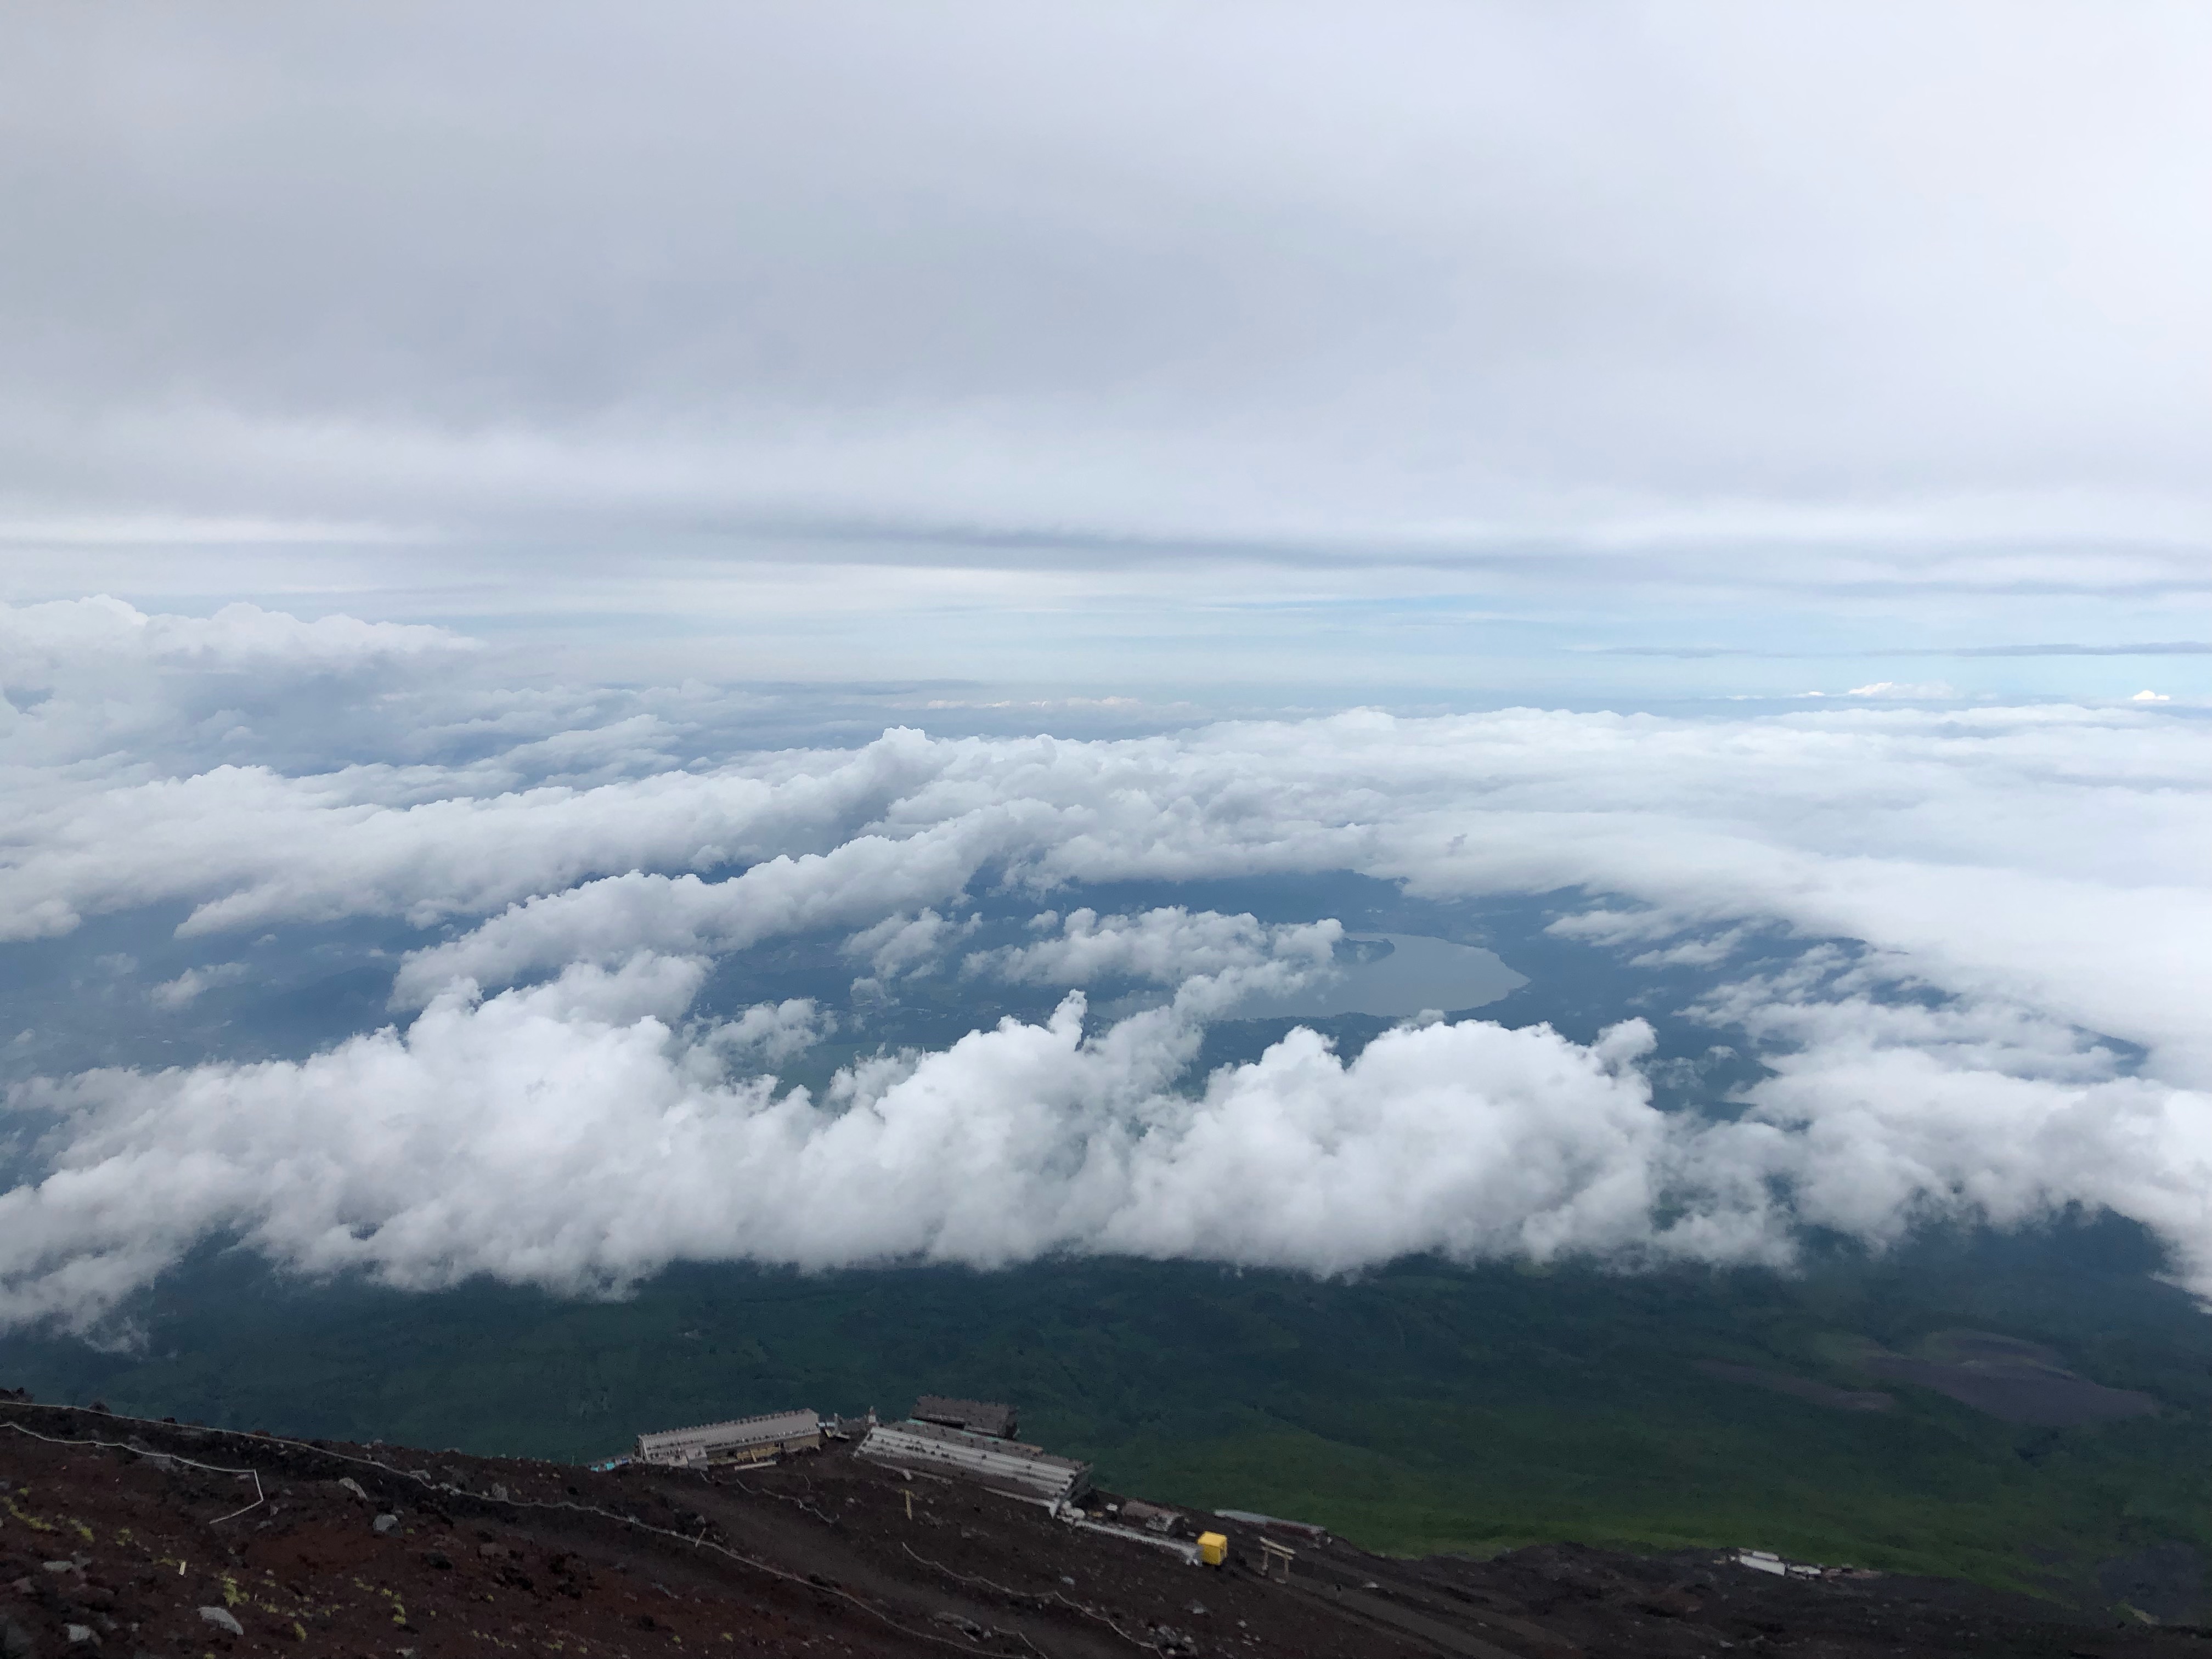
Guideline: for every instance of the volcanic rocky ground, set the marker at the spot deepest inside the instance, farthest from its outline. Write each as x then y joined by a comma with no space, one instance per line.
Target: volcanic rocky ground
121,1536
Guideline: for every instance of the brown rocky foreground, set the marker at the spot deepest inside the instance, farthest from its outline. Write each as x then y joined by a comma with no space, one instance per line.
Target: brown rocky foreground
120,1537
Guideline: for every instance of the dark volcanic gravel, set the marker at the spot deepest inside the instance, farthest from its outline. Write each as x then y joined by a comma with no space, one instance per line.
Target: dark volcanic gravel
130,1548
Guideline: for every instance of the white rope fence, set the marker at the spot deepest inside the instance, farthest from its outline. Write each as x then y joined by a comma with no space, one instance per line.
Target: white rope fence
260,1497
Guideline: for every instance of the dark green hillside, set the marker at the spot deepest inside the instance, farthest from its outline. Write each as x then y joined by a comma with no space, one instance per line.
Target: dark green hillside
1424,1408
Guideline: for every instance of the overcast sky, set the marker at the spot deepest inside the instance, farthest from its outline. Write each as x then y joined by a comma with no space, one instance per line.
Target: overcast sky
1477,348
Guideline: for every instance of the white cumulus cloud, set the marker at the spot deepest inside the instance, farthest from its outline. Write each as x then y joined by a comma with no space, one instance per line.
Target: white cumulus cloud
1903,691
579,1135
1997,918
181,990
1163,946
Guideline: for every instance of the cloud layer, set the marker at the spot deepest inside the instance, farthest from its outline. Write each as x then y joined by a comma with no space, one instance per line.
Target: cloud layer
567,1135
1979,995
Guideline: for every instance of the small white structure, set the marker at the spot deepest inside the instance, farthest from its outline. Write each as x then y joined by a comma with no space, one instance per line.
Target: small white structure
741,1440
1193,1553
1007,1466
1152,1517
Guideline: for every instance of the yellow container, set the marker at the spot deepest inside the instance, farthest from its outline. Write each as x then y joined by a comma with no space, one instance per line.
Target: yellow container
1213,1548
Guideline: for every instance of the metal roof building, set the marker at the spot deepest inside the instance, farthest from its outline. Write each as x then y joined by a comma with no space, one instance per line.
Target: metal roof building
741,1440
1005,1466
976,1416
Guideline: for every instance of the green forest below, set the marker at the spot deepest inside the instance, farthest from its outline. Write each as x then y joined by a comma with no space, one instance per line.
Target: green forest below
1424,1408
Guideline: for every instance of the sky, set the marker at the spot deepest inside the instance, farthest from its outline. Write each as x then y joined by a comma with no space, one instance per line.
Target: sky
599,612
1420,355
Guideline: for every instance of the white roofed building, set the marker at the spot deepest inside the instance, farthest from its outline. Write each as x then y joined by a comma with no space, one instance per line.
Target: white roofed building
740,1440
1007,1466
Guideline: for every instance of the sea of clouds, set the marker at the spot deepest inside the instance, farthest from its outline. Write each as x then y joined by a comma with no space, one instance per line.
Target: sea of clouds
1991,1005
